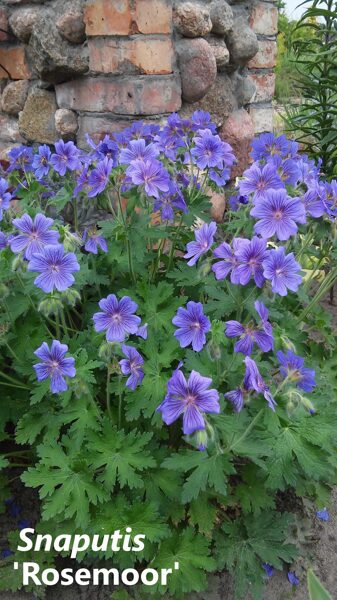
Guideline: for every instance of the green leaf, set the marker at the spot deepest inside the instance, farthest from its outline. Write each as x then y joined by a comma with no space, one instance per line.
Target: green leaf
316,589
39,392
66,482
120,456
192,553
207,472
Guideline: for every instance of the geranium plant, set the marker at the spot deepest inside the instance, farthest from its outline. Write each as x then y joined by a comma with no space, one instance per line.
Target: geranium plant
157,367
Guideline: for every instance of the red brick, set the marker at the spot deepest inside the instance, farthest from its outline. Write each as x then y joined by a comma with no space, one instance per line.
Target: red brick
265,86
266,56
153,16
108,17
264,18
144,55
132,96
3,25
13,60
97,127
238,131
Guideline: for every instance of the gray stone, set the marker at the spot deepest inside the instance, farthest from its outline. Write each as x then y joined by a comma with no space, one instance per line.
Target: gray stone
220,51
244,87
192,20
221,17
14,96
52,57
22,22
37,119
9,129
71,26
242,42
197,68
66,123
220,100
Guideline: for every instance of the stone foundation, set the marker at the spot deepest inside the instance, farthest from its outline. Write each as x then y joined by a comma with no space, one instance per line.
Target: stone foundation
71,67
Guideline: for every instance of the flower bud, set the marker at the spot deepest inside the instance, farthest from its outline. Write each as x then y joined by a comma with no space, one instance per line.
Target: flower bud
107,350
71,296
287,343
50,306
4,290
201,440
213,350
18,264
71,241
204,269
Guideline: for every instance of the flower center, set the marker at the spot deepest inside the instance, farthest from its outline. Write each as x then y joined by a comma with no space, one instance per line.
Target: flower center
195,325
55,268
278,215
116,317
190,399
279,271
54,365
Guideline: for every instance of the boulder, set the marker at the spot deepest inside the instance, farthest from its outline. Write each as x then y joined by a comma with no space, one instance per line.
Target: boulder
238,131
71,26
37,119
242,42
54,59
192,20
197,68
245,88
220,51
66,123
14,96
221,17
219,101
218,201
22,22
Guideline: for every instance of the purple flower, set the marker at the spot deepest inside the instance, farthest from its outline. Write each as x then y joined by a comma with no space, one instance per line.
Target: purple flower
82,181
282,270
105,148
292,578
292,366
99,177
278,214
250,255
210,151
41,164
204,240
138,150
5,196
169,145
151,175
3,241
313,202
330,198
117,318
192,326
254,381
132,365
323,515
6,553
287,169
268,569
20,158
236,201
166,202
56,268
236,397
250,334
66,157
267,145
202,120
142,331
191,399
54,365
34,235
227,265
93,241
220,178
23,524
258,180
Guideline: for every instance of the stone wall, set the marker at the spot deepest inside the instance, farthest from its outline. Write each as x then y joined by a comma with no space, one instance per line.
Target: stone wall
74,66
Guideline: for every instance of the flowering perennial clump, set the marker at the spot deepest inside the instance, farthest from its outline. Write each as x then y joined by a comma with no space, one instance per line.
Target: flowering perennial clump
180,405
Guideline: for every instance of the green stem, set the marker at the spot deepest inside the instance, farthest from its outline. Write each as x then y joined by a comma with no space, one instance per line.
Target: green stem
246,432
173,246
322,290
75,209
32,304
128,245
120,397
108,399
12,380
57,325
18,387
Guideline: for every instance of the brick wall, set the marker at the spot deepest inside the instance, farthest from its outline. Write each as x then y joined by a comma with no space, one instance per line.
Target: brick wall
71,67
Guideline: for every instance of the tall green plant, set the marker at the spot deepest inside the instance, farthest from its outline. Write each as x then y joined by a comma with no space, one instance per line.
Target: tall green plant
314,120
